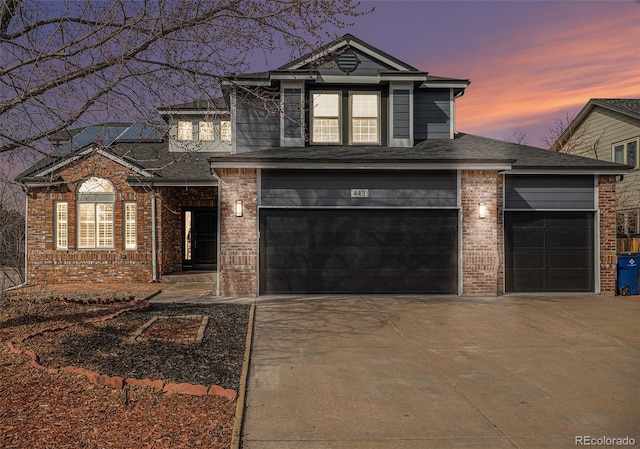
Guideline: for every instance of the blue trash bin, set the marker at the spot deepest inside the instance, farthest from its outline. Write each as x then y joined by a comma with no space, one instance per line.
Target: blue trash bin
628,279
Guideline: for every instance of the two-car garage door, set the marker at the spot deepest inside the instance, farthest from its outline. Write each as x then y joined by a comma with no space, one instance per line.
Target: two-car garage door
344,231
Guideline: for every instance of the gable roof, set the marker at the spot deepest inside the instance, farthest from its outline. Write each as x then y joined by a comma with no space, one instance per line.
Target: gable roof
465,151
626,106
343,42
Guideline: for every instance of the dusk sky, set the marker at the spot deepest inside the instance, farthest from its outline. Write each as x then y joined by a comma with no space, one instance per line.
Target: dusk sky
529,62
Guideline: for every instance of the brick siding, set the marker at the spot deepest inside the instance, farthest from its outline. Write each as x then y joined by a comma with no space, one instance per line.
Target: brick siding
480,236
608,257
49,265
238,262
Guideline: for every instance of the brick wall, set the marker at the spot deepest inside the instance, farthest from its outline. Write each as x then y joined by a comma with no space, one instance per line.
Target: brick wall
238,262
608,258
480,236
49,265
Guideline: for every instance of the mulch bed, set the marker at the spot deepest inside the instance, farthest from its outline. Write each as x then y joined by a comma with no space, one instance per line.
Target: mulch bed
63,410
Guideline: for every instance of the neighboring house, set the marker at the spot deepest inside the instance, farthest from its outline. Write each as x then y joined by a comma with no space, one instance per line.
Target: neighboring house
609,130
340,172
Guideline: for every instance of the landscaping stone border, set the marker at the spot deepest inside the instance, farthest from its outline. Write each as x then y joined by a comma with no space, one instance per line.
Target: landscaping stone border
116,381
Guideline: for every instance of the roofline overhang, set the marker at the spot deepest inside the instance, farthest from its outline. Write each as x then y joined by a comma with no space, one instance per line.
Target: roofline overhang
566,171
446,84
498,165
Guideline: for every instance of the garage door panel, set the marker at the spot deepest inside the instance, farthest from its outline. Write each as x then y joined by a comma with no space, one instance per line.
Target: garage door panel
361,251
326,260
551,251
288,259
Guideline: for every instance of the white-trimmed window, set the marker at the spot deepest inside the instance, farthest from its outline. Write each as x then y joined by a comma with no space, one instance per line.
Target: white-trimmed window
365,117
206,131
325,119
130,225
185,130
96,197
626,152
62,225
225,131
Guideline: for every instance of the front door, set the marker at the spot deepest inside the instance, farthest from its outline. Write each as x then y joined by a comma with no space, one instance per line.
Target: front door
200,238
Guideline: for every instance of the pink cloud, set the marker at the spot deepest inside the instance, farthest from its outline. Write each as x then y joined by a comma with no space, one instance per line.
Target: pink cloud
530,73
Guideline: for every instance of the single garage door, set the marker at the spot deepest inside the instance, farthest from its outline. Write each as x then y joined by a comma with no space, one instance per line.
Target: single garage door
549,251
358,251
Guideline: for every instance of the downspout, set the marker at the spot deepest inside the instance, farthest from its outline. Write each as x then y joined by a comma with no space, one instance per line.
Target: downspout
154,249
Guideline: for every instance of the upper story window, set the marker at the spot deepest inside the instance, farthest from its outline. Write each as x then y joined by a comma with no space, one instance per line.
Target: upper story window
365,118
325,119
626,152
225,131
96,197
205,131
185,130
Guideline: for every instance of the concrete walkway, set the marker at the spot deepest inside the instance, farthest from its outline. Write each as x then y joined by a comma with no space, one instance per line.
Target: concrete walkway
411,372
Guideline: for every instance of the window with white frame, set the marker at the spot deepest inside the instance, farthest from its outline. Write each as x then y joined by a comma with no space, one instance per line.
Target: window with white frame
626,152
325,121
96,197
365,118
130,225
62,225
205,131
225,131
185,130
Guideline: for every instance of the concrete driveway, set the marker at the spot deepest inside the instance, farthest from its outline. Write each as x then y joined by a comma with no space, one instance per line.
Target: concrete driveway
416,372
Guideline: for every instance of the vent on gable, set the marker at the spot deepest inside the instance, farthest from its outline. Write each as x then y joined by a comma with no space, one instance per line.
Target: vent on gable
348,62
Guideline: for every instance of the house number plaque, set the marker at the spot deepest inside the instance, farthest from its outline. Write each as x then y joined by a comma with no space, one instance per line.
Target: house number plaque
359,193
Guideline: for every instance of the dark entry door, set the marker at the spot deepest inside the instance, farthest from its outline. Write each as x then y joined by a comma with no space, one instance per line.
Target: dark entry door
200,238
549,252
358,251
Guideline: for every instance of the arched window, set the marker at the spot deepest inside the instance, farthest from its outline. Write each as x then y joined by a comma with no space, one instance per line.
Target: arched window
96,197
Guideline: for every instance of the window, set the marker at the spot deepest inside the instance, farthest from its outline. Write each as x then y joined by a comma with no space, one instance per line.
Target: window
205,131
626,152
96,197
326,118
130,228
225,131
185,130
365,118
62,225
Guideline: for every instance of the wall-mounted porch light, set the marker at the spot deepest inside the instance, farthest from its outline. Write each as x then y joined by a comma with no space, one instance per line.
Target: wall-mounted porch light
482,210
239,208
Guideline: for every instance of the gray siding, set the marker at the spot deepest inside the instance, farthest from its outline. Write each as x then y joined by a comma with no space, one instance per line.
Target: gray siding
549,192
431,114
292,114
332,188
401,113
257,124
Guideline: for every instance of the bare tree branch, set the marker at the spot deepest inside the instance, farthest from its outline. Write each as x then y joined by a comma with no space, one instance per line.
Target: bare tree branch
63,62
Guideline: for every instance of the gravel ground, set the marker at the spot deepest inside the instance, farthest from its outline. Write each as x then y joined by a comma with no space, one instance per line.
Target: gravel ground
107,347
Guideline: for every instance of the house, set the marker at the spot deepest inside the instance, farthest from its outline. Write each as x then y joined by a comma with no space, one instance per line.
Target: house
339,172
609,130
